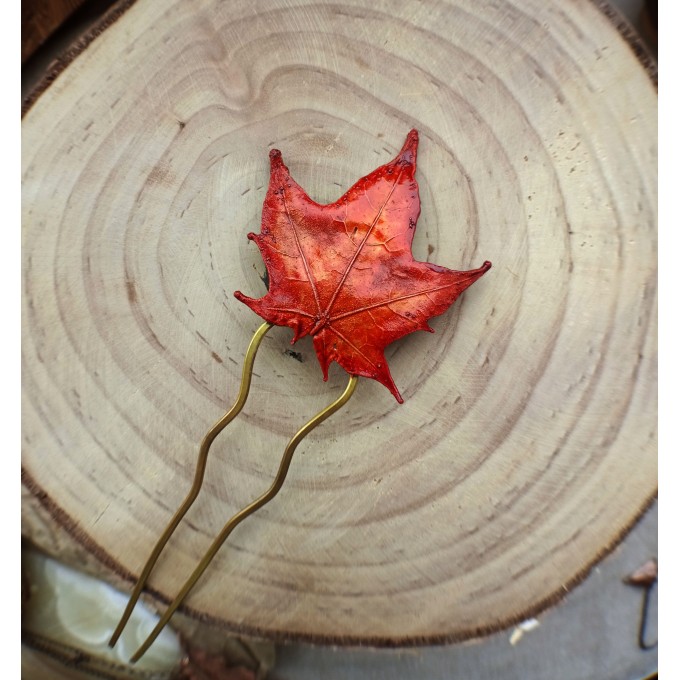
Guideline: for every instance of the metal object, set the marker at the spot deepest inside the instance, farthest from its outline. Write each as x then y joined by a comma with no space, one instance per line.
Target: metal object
196,486
644,577
644,616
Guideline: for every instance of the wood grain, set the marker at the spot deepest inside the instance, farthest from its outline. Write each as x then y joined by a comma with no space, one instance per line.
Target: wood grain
527,443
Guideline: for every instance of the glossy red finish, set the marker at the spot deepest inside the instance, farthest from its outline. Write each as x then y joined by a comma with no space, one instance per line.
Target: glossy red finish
344,272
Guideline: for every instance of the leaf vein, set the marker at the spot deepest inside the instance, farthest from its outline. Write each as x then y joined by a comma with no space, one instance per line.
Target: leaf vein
363,242
351,344
385,303
292,311
302,255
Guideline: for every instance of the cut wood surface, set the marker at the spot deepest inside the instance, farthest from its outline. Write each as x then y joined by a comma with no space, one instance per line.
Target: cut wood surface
526,446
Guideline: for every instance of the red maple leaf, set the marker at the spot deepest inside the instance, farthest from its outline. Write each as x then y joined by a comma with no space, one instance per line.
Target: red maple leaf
344,272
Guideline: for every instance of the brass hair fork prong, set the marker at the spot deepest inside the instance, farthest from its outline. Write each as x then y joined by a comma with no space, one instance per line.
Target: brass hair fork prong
198,477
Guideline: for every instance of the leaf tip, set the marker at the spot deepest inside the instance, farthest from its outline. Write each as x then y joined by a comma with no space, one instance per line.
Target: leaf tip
387,380
408,151
276,161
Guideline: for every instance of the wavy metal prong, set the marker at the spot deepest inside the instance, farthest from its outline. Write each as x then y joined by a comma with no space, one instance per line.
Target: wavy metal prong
209,438
248,510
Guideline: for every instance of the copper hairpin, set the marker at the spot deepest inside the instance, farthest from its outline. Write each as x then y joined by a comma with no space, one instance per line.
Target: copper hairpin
344,274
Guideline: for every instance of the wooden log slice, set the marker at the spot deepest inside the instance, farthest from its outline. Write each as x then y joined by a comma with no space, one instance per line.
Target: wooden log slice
526,446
